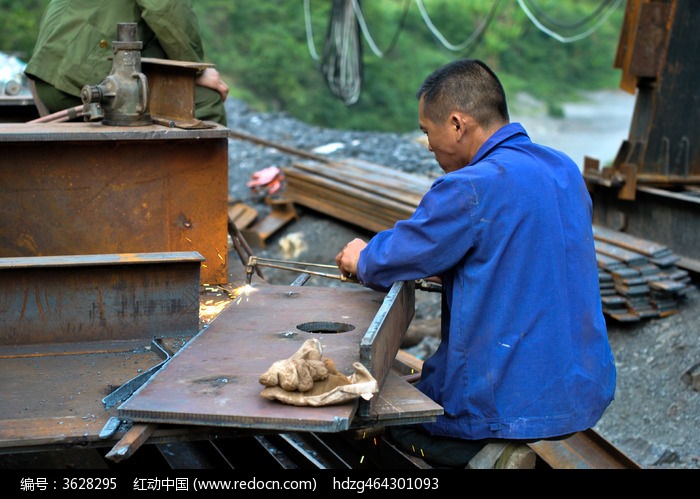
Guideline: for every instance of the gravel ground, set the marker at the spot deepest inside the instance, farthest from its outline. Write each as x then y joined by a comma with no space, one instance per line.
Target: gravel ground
655,417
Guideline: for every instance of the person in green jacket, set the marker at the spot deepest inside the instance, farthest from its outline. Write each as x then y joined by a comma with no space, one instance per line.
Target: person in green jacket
74,49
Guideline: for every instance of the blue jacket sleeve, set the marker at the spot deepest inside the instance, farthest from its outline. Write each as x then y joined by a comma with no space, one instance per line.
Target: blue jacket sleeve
432,240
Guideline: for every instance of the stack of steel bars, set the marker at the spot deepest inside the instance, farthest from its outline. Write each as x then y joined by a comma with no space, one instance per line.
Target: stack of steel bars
638,278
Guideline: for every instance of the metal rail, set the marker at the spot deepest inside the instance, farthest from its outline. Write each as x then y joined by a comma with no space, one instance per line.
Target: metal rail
583,450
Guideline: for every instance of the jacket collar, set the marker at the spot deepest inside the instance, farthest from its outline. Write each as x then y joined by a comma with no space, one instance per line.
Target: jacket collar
504,134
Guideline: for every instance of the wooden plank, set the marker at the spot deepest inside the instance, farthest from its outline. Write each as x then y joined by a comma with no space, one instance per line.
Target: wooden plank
347,203
375,200
130,442
281,213
347,210
371,196
372,178
418,183
407,364
241,214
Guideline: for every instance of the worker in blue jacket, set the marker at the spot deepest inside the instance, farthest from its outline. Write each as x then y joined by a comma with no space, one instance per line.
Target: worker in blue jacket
507,230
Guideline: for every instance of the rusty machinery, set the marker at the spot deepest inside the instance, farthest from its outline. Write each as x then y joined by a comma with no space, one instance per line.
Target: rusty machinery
122,97
125,185
651,188
108,231
656,54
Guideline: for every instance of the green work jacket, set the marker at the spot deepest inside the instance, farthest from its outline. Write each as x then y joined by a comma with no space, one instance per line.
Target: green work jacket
74,45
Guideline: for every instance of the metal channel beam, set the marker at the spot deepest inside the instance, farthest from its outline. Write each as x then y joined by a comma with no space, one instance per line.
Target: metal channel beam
81,298
381,342
89,188
171,87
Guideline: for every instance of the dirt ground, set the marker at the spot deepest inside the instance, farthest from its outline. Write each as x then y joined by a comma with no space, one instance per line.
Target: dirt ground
655,416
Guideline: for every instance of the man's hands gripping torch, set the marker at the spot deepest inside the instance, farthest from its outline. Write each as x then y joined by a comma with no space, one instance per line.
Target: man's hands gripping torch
348,257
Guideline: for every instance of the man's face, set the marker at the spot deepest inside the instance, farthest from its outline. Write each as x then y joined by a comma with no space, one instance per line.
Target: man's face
443,140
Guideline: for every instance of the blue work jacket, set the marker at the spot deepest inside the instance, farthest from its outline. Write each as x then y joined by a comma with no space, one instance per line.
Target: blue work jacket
524,351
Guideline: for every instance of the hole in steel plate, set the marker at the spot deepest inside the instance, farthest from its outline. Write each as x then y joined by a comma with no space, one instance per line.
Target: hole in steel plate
327,327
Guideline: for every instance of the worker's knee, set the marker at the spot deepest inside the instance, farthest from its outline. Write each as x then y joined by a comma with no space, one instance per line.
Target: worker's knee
209,106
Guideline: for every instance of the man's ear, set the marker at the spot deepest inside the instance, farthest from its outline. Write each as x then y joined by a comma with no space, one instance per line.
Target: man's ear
458,124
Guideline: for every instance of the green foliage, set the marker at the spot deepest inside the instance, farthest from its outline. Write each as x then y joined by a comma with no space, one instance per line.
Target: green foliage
261,48
18,26
556,71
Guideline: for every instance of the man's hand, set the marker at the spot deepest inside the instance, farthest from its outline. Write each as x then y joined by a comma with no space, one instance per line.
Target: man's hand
348,257
211,78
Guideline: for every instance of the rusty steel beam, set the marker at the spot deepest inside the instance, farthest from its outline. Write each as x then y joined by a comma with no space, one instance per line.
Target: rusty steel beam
88,188
81,298
382,341
171,87
583,450
660,215
656,54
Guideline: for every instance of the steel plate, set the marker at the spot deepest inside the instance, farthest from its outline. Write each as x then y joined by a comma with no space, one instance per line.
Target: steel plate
214,379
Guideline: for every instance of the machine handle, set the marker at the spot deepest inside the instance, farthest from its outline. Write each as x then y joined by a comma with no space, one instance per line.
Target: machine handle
143,87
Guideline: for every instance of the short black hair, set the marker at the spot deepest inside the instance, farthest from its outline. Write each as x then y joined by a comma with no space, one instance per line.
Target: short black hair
466,85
